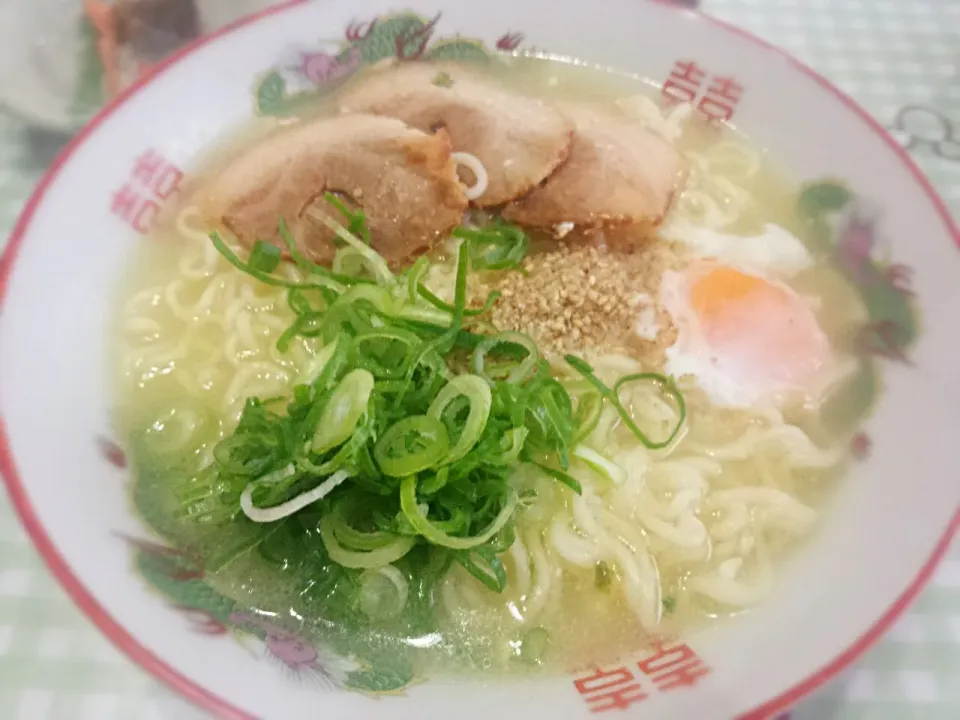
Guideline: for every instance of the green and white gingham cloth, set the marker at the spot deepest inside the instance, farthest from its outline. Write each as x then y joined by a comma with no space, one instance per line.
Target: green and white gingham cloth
888,54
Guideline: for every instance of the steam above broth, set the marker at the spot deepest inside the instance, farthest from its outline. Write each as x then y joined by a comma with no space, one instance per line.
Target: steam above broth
494,366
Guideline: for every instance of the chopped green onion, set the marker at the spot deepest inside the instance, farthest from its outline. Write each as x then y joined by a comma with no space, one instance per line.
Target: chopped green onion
485,567
264,257
343,411
414,275
585,420
427,295
411,445
445,342
333,369
266,278
515,373
432,484
277,512
501,542
387,352
316,365
568,480
477,392
299,258
348,261
669,604
514,438
671,389
459,293
375,262
356,219
609,469
554,413
384,555
307,324
498,246
612,396
418,519
354,539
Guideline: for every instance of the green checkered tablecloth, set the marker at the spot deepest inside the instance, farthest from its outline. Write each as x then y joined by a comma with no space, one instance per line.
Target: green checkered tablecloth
889,55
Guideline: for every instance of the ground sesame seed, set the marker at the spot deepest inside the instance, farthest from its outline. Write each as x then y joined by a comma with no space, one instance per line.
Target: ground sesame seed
579,297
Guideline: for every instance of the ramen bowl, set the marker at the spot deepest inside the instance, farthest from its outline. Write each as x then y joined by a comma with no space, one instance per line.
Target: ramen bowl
880,532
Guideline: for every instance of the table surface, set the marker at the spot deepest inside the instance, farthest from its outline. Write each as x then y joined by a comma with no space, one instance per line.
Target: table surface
887,54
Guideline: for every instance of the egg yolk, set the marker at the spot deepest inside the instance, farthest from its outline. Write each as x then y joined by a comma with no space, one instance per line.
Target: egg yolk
765,326
717,290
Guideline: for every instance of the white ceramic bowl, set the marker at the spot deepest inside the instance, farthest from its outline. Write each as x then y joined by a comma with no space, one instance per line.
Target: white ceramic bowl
891,520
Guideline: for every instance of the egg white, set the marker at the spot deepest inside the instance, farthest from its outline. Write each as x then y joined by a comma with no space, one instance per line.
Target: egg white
775,252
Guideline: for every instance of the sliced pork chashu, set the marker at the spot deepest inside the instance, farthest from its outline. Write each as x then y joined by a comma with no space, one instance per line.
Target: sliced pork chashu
403,179
619,178
519,140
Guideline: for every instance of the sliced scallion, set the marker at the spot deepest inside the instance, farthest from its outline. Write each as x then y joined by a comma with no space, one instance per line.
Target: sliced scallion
265,257
485,567
499,246
418,519
411,445
343,410
607,468
612,396
277,512
477,393
383,555
513,373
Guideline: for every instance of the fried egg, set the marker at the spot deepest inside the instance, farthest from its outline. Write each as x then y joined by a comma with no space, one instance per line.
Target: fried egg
744,337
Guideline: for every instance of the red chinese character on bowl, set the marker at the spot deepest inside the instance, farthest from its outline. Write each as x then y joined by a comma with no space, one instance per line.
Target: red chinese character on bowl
673,667
153,180
684,82
721,99
614,689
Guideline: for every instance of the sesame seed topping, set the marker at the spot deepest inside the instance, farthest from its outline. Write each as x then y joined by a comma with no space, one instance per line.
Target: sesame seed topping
577,297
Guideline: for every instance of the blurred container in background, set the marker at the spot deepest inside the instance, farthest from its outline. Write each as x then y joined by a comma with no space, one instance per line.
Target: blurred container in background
61,60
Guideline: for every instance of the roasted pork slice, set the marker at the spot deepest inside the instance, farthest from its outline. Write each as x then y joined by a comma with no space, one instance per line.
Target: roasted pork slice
519,140
620,178
403,179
